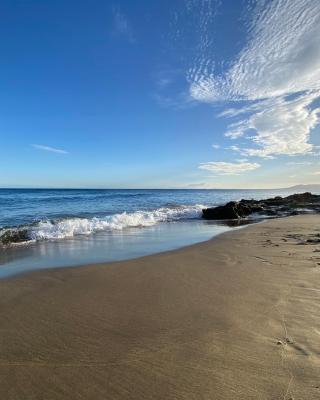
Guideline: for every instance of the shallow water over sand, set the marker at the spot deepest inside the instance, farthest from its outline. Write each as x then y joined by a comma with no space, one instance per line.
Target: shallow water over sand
107,246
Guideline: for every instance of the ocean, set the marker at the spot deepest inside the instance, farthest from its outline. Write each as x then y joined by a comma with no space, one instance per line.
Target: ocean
43,228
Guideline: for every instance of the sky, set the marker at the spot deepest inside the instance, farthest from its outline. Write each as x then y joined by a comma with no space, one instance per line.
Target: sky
150,94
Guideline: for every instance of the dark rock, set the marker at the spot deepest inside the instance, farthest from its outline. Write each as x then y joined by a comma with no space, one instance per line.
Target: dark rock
254,205
313,241
276,206
232,210
306,197
11,236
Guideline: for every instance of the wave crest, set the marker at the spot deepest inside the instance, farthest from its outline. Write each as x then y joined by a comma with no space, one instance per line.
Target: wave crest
70,227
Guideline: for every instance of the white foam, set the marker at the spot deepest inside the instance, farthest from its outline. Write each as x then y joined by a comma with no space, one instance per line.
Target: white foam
70,227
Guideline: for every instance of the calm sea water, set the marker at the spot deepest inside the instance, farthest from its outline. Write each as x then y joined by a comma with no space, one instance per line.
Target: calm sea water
70,227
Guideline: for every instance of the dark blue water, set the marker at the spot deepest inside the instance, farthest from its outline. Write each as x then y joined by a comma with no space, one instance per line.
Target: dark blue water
42,228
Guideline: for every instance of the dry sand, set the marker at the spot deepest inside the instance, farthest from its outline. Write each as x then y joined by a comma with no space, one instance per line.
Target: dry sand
237,317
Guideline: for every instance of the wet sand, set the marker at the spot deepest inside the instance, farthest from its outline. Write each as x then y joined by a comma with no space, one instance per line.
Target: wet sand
237,317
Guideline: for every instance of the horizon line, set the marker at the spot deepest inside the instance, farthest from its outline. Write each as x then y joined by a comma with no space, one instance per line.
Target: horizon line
139,188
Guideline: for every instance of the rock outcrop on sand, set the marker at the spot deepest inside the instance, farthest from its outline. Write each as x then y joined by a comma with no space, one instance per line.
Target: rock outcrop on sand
276,206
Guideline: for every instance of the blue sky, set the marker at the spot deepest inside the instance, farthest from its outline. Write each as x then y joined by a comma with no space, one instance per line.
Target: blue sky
193,93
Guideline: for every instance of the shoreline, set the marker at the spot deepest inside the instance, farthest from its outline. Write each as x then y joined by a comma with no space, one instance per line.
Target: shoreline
74,252
233,316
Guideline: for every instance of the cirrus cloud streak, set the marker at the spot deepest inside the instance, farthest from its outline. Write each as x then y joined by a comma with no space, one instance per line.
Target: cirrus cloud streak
49,148
229,168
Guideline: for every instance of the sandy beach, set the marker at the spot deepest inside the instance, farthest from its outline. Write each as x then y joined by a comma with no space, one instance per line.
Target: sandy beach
237,317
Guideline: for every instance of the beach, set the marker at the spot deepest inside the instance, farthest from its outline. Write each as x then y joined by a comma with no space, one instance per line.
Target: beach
235,317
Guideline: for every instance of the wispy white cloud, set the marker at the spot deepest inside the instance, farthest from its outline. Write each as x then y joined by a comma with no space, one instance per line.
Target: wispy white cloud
163,82
168,81
229,168
197,185
121,25
282,55
49,148
277,73
242,160
234,148
281,126
189,32
216,146
299,163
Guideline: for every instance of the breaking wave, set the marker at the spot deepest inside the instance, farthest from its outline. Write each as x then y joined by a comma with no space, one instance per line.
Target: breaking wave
70,227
